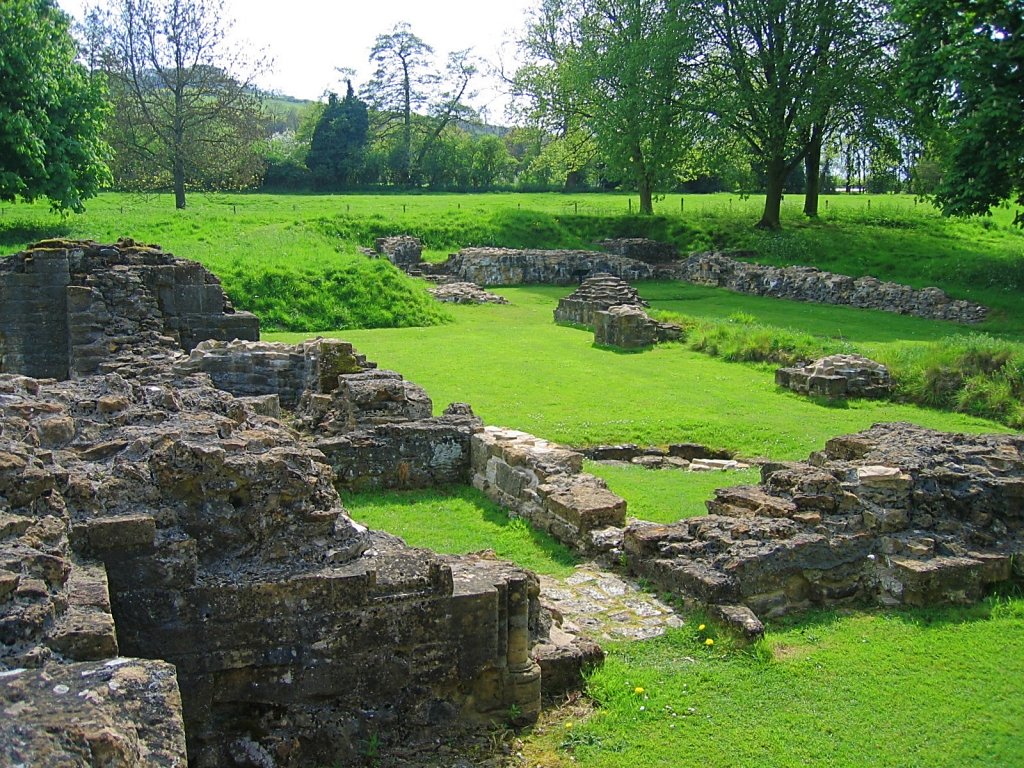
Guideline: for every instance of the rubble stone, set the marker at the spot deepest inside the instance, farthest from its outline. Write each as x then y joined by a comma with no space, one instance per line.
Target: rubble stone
629,327
838,376
403,251
596,293
642,249
465,293
811,284
897,514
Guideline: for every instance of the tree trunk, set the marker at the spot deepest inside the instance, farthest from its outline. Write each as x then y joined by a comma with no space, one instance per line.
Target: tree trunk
178,150
776,181
646,197
407,125
812,171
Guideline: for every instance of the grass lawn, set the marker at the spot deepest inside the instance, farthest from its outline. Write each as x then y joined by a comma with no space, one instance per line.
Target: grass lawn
519,370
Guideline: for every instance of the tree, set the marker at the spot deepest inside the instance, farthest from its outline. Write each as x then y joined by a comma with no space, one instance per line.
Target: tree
405,83
188,113
52,111
780,68
623,70
964,61
338,147
398,87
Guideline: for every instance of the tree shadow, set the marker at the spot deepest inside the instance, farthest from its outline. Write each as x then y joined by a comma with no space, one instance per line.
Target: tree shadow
15,235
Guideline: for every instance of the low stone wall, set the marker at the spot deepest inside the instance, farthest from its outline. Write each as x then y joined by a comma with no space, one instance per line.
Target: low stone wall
73,308
642,249
629,327
838,376
403,251
506,266
544,483
248,368
898,515
810,284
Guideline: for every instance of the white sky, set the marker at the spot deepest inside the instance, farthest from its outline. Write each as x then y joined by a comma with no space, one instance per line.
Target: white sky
307,39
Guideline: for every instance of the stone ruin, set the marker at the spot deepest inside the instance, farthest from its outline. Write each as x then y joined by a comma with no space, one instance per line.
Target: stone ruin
641,249
628,327
615,312
178,576
465,293
508,266
403,251
688,456
811,284
598,292
70,308
838,376
177,572
635,259
896,515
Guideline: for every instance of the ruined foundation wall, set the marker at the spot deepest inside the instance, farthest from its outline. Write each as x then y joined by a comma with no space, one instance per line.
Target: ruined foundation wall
506,266
544,483
75,308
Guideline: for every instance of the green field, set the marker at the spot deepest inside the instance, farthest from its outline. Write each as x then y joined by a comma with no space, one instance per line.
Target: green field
911,688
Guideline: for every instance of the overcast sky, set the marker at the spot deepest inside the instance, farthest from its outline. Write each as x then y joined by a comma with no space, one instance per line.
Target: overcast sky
307,39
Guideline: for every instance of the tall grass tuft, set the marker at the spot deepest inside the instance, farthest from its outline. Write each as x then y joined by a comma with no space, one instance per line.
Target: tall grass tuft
976,374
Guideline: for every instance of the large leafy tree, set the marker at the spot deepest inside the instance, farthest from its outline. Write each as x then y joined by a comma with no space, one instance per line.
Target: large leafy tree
337,150
52,111
781,69
964,65
622,71
187,112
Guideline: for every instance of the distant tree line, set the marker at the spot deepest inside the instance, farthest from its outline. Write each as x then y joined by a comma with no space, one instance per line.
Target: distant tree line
651,96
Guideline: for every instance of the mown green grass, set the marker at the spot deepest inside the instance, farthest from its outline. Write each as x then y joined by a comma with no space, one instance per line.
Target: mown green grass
926,688
667,495
888,236
458,521
518,369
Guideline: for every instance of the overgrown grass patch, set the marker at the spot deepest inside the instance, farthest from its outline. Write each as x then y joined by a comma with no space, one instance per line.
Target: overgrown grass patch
932,688
459,520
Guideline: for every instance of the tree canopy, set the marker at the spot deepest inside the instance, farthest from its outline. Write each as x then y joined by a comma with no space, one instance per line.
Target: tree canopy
52,112
964,64
337,149
188,113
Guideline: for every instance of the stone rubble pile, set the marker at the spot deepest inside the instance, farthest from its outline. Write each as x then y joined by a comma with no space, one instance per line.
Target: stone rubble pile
696,458
598,292
465,293
898,515
837,376
811,284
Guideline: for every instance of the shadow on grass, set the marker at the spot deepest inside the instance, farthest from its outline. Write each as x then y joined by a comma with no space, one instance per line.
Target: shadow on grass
15,235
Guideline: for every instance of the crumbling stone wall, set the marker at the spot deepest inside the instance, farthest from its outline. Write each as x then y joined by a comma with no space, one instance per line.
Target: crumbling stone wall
506,266
838,376
544,483
465,293
74,308
404,251
811,284
295,633
898,514
629,327
596,293
642,249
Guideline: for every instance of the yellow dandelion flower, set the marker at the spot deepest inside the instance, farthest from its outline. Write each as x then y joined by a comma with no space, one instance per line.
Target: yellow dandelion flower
638,690
568,724
701,628
709,642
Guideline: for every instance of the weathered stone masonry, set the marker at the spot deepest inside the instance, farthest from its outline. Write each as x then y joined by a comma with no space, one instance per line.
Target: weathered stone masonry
146,513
